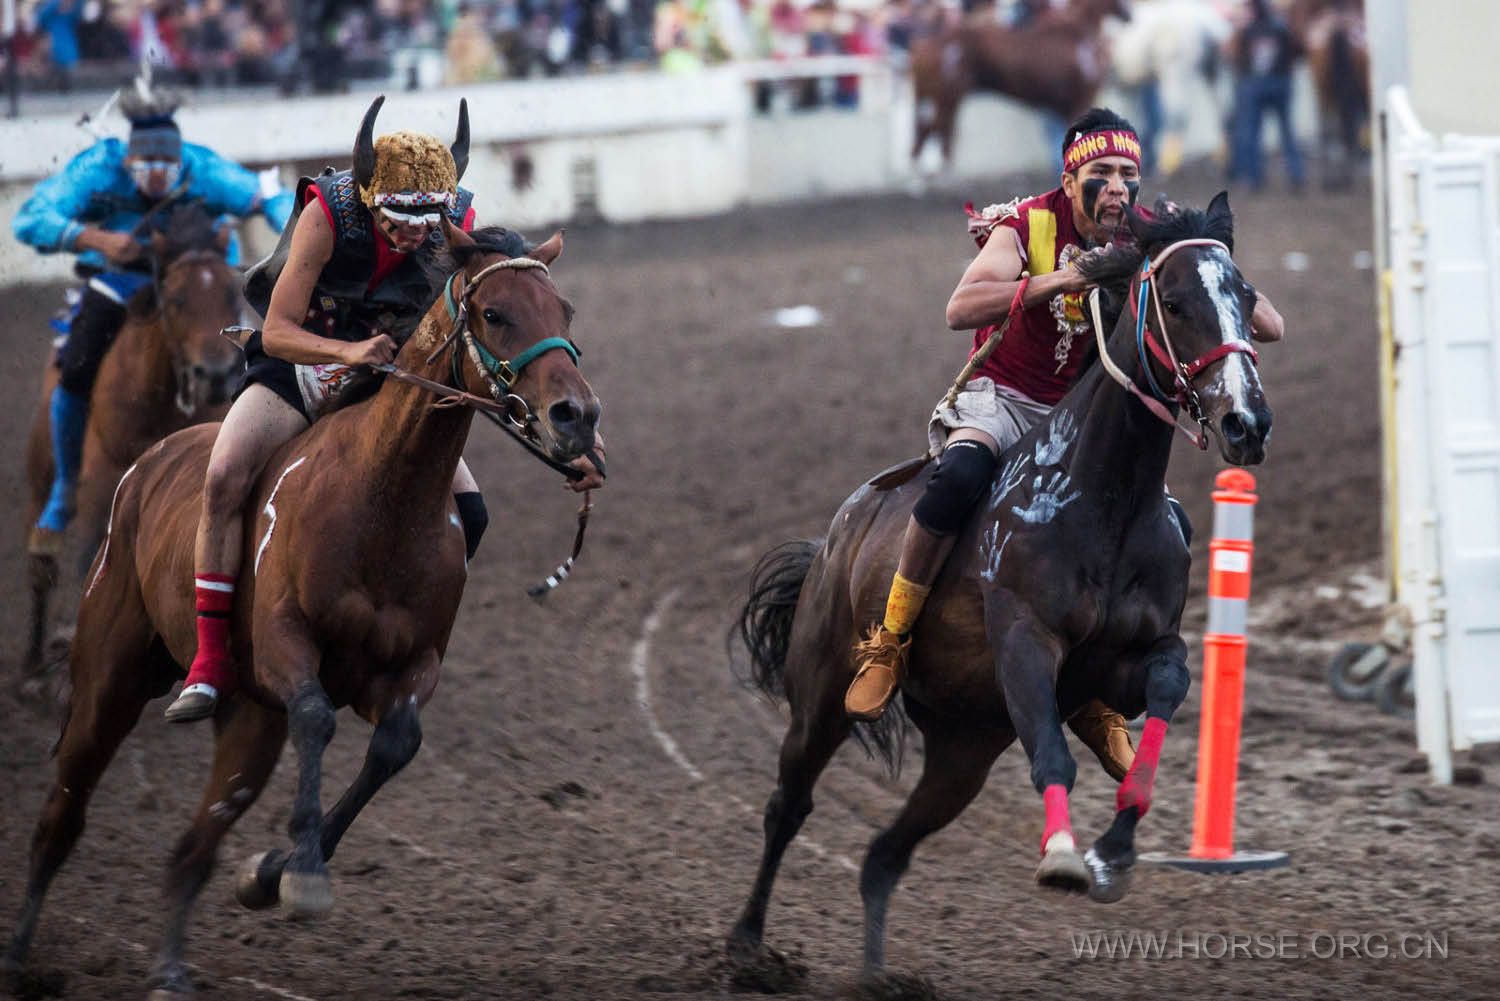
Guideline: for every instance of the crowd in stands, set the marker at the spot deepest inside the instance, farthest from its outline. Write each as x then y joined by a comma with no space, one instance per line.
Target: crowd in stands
63,44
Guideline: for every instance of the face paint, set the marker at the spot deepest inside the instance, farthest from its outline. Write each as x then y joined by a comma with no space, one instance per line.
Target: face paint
1091,189
1132,189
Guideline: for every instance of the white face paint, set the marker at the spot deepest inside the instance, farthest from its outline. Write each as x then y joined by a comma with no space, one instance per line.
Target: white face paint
1236,377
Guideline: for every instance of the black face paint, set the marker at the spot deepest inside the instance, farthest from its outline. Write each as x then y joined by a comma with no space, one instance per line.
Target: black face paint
1091,189
1132,189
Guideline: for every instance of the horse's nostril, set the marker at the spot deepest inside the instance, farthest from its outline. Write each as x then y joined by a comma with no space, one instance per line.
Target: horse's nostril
1233,426
564,414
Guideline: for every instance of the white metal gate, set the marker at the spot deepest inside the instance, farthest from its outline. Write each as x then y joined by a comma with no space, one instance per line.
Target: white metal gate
1444,201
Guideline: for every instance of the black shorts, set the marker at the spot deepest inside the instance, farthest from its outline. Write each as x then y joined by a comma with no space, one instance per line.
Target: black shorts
280,377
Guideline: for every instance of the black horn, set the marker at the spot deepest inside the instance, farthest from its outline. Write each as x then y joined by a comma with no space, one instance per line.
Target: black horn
364,146
460,147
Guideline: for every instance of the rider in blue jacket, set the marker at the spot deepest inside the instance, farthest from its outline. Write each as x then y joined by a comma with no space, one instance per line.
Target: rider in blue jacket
102,207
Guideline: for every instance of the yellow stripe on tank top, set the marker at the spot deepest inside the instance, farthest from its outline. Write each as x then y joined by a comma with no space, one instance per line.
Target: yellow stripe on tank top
1041,246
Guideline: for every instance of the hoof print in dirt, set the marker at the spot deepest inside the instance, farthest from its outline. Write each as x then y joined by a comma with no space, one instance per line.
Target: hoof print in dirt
895,987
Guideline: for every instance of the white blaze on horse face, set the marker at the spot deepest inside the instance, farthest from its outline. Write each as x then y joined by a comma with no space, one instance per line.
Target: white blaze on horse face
270,510
1236,376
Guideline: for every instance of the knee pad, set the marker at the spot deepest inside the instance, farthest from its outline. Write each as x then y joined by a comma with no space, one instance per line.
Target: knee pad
474,518
963,474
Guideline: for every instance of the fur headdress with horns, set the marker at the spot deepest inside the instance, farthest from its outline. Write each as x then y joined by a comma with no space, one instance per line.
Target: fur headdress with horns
409,169
153,132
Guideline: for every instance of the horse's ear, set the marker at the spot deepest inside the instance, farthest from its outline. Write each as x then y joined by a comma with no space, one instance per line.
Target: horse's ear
1221,217
550,249
1220,206
454,236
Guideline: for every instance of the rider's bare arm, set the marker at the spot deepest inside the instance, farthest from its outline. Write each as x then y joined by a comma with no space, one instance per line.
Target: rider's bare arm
985,291
1266,323
284,336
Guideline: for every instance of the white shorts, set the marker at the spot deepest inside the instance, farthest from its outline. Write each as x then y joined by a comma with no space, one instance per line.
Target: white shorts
999,411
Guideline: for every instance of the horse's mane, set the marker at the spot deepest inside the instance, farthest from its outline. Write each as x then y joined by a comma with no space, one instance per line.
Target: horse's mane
1113,268
487,240
187,227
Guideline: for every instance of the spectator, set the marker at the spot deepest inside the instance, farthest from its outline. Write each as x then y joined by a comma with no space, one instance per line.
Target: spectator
59,20
1263,54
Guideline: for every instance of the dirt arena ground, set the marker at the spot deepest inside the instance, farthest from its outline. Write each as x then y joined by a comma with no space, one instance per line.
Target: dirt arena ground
583,820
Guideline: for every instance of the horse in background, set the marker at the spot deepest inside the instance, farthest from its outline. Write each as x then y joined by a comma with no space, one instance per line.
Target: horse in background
1168,51
1056,65
1067,585
355,560
1333,36
167,369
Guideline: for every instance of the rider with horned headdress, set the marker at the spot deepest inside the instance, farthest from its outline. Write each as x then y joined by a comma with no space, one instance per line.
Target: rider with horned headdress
101,206
1040,355
349,282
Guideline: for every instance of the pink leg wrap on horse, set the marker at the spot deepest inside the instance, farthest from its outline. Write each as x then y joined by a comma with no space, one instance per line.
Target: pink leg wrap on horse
1055,799
212,664
1135,789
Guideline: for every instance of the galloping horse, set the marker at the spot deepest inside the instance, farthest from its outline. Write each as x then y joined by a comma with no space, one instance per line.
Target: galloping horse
1056,65
1332,33
167,369
1069,585
357,568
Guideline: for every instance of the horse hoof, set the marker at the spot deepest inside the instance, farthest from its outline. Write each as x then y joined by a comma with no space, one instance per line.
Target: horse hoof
250,890
1063,869
1108,883
306,894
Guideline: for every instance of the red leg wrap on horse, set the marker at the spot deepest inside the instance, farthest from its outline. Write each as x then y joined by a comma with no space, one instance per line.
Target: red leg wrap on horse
212,664
1135,789
1055,799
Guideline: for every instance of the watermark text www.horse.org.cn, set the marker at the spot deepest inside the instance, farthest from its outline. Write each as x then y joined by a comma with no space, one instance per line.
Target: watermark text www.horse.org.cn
1179,944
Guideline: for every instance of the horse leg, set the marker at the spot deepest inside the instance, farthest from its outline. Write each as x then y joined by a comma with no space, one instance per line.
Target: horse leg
247,746
805,751
109,691
957,763
41,568
1026,663
394,743
1161,680
304,887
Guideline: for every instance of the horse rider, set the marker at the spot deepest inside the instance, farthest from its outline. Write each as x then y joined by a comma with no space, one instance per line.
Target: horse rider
353,276
100,206
1035,363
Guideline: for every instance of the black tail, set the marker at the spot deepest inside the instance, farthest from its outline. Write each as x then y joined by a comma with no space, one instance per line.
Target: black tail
765,623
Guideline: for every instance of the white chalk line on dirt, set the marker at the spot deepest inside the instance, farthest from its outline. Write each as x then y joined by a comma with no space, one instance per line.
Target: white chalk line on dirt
259,985
640,659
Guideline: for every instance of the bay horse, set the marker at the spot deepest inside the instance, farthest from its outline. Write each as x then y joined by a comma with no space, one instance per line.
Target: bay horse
356,567
167,369
1068,585
1332,33
1056,64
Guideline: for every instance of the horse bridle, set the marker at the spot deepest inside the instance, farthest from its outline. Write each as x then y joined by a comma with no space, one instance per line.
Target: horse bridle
1184,394
158,285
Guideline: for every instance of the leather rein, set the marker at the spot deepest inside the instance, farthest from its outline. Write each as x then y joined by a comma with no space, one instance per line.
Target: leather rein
1183,393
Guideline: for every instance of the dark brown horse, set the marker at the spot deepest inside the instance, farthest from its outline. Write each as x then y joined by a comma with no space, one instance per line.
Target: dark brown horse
357,568
167,369
1068,586
1055,65
1332,33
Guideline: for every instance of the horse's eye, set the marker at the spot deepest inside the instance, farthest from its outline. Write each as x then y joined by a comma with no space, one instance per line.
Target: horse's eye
1171,307
493,318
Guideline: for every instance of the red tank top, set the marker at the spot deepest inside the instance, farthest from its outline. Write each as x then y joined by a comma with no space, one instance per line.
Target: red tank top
1042,351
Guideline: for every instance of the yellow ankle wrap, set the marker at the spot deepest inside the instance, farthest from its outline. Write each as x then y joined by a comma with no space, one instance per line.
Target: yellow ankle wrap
904,604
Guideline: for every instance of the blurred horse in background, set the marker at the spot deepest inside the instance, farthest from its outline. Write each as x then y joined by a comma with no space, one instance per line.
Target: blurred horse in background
1056,65
168,368
1332,33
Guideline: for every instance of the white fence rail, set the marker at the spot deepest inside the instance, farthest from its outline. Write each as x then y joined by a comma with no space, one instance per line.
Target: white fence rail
1444,229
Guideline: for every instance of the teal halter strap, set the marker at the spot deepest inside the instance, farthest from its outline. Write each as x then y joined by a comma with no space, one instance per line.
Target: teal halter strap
502,371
